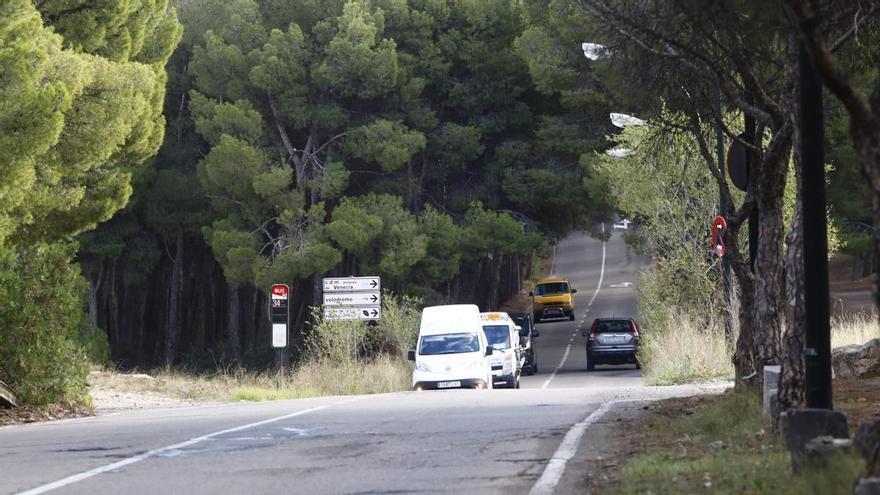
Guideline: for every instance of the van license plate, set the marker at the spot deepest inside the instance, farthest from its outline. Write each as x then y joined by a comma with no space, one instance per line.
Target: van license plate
448,384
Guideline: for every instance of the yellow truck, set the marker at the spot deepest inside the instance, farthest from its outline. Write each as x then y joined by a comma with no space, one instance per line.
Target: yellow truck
553,297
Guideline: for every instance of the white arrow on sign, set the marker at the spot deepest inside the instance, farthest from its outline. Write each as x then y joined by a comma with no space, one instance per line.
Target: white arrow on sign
352,313
352,298
347,284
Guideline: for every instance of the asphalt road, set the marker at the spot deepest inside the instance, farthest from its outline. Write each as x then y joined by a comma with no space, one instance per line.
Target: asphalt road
455,441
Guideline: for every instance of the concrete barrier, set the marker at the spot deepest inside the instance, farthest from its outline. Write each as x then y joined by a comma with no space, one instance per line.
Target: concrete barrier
771,391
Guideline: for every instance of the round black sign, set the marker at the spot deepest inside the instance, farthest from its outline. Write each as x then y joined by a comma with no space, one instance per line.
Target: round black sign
738,158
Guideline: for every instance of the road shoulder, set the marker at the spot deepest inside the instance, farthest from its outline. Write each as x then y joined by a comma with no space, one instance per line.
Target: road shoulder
605,446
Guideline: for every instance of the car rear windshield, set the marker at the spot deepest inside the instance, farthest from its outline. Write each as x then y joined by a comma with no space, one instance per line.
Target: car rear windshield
524,323
613,326
450,343
498,336
551,288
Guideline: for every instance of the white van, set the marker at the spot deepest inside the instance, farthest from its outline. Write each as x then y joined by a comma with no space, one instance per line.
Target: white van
502,333
452,351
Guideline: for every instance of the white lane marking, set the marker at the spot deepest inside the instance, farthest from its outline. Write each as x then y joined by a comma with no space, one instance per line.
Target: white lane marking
598,288
162,451
561,363
601,270
546,484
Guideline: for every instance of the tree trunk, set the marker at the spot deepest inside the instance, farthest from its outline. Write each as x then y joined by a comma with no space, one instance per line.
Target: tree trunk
233,326
768,259
743,360
791,379
142,315
173,323
94,289
867,141
113,320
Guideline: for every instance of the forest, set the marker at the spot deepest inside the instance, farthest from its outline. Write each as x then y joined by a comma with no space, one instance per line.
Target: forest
166,161
171,160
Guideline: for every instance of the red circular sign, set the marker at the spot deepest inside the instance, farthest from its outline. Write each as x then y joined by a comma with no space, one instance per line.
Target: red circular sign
719,226
280,290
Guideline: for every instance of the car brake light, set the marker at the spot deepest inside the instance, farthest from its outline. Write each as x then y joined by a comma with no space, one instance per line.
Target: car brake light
594,330
635,331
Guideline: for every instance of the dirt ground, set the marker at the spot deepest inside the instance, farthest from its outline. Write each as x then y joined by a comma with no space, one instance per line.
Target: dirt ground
105,400
850,293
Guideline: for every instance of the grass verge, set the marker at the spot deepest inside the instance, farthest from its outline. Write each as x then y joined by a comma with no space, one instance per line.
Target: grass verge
679,350
719,445
321,378
854,328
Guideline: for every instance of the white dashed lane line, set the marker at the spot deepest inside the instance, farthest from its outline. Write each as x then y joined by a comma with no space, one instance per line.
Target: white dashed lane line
595,294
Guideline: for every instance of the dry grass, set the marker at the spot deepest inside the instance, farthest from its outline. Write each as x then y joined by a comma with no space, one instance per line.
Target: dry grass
311,380
854,328
680,350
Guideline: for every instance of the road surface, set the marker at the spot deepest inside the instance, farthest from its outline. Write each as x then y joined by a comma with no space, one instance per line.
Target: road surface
455,441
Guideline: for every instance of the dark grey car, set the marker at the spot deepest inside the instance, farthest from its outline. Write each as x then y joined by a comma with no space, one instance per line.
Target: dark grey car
527,340
612,341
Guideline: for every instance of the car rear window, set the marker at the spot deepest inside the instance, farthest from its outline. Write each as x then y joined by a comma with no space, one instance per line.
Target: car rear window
613,326
551,288
523,321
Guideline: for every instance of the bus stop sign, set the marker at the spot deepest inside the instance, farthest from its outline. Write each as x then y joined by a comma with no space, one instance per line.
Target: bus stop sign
279,314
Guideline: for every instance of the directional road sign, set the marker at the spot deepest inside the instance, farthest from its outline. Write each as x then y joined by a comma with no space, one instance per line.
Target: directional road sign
350,284
353,298
352,313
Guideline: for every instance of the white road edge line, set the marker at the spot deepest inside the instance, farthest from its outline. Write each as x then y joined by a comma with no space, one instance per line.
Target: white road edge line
152,453
601,270
546,484
598,288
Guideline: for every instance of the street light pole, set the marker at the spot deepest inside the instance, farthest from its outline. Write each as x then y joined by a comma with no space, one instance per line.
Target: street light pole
817,345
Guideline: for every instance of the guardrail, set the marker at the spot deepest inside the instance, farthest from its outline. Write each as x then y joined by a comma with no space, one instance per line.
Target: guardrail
7,397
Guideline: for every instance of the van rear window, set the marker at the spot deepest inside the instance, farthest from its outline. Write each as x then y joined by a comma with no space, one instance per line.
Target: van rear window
450,343
498,336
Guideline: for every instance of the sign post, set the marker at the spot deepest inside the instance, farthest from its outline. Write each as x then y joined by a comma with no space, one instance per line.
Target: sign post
352,298
817,335
279,313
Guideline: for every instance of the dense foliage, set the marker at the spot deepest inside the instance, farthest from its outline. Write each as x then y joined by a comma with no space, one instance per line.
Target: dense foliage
81,91
412,140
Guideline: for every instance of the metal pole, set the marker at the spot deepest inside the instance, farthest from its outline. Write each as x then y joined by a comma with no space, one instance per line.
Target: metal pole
817,352
725,264
750,129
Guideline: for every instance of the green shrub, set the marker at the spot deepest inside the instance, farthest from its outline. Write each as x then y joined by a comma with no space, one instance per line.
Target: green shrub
351,341
41,296
94,344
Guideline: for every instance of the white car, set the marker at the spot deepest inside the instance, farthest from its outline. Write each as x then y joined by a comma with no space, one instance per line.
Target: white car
452,351
623,224
502,333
